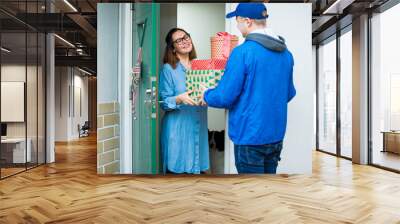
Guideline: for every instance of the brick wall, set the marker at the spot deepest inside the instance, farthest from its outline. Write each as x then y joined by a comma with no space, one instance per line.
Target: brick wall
108,161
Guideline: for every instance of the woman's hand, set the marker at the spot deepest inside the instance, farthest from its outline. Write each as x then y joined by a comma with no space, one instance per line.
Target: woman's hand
184,98
203,89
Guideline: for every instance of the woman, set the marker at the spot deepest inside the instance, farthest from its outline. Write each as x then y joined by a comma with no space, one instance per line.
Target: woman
184,136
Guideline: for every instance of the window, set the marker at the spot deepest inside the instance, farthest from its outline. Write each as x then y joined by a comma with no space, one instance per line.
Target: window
346,94
327,97
385,89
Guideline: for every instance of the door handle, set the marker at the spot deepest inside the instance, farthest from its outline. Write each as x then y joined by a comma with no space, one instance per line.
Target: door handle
148,98
151,98
151,95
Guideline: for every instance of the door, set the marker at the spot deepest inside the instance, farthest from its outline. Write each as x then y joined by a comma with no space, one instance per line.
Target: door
146,156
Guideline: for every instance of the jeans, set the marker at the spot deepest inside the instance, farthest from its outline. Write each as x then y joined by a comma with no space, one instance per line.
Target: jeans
258,158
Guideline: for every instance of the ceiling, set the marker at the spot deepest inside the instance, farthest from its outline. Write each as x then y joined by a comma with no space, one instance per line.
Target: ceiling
76,22
329,16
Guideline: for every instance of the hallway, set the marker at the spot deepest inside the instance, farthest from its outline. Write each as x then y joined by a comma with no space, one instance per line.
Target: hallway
70,191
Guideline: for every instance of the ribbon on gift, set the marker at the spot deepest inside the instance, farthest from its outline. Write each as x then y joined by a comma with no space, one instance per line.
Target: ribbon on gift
226,46
135,79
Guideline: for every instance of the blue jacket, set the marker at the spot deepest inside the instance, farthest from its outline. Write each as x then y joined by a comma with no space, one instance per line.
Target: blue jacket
256,88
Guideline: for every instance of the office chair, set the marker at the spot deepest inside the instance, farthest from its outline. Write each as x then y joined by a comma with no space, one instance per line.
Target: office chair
84,130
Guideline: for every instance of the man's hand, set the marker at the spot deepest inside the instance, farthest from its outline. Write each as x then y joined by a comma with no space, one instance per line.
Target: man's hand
184,98
203,89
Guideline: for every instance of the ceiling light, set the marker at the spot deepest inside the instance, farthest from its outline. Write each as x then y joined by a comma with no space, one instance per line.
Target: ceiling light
337,7
65,41
5,50
70,5
84,71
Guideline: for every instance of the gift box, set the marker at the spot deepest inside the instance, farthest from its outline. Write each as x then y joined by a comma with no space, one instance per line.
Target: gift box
208,64
197,78
222,45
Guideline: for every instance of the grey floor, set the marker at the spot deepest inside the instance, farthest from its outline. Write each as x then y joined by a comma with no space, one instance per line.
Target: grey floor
216,161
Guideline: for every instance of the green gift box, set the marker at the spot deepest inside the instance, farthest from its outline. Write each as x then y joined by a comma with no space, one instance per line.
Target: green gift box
197,78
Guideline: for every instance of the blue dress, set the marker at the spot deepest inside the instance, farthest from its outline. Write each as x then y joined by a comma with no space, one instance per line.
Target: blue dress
184,133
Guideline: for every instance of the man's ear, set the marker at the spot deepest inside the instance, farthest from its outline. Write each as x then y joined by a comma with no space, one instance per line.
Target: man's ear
249,21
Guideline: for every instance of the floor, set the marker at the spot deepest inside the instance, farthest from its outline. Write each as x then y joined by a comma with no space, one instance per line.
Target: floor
387,159
10,171
70,191
216,161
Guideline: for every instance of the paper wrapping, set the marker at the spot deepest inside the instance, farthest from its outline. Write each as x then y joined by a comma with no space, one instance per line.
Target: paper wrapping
196,78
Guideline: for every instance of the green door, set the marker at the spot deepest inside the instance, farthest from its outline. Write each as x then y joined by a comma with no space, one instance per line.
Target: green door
146,156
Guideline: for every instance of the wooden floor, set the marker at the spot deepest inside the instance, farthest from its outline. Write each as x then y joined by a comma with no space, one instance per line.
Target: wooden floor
70,191
5,172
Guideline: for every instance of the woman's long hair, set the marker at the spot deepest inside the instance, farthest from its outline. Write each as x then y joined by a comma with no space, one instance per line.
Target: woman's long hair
170,56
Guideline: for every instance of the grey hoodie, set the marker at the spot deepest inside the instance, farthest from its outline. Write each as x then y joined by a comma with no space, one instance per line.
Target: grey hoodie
268,42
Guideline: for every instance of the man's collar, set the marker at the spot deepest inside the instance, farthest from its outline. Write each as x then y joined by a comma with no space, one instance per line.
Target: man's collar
266,31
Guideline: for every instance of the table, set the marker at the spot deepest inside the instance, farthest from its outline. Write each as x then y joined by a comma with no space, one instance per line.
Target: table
13,150
391,141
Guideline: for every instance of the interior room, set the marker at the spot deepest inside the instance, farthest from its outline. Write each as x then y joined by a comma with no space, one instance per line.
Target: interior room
22,100
385,90
30,97
72,103
80,116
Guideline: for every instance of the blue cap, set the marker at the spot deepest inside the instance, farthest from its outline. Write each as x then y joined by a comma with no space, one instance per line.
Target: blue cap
250,10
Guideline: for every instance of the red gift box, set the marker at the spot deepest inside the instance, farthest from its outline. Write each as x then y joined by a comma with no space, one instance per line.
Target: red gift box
209,64
222,45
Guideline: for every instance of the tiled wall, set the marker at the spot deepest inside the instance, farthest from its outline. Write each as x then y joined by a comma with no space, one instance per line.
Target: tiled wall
108,161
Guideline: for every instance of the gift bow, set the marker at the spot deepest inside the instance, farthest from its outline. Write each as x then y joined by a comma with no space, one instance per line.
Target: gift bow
226,47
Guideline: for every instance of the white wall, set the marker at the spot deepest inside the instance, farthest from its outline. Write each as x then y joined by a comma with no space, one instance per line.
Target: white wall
16,73
80,83
203,21
13,101
124,68
168,20
314,69
107,47
293,22
33,126
66,121
61,104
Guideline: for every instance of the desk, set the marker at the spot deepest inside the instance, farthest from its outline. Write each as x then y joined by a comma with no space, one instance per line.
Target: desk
391,141
13,150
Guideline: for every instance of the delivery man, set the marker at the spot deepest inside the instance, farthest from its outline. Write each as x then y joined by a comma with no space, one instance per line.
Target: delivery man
256,88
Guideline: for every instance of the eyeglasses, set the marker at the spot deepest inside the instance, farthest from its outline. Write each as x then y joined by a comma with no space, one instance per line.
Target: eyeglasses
180,40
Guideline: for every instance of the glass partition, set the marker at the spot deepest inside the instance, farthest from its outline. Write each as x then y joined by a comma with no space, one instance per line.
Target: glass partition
385,89
327,97
22,77
346,94
13,105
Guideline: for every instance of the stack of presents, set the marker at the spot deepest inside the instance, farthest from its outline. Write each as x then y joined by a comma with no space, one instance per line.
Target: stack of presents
208,72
